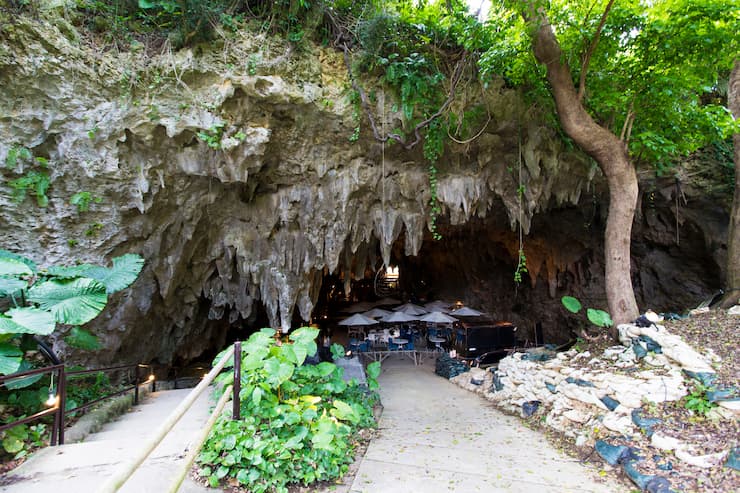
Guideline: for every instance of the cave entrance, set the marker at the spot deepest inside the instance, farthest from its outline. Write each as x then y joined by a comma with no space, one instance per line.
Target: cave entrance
474,265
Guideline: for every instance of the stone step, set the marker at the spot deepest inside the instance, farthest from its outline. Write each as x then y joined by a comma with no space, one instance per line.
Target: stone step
85,466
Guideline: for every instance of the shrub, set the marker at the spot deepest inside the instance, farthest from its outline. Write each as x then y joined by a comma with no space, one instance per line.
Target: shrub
298,420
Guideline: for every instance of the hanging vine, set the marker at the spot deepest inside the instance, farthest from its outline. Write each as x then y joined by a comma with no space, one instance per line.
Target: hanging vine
521,266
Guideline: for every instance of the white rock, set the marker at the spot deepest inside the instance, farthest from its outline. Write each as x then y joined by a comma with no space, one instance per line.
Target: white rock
618,424
697,311
581,440
704,461
731,405
577,416
664,442
613,352
735,310
580,394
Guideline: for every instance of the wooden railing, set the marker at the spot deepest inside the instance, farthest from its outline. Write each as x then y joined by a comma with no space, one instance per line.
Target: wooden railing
123,474
58,396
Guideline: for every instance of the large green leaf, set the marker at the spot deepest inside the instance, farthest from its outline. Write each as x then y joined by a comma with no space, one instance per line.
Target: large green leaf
70,272
344,412
82,339
9,364
7,349
36,321
13,267
23,382
5,254
9,326
9,285
277,372
571,304
599,317
71,302
125,270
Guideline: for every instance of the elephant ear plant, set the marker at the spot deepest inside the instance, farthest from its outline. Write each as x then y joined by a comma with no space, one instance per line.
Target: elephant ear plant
599,318
299,422
33,301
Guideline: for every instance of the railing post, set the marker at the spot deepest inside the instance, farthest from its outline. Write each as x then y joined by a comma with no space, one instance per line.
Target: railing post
57,414
136,385
62,394
236,410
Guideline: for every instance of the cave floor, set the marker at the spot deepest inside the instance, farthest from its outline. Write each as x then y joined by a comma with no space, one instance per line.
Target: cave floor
436,437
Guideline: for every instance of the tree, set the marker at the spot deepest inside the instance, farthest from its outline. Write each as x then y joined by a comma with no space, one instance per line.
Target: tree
629,87
609,151
733,235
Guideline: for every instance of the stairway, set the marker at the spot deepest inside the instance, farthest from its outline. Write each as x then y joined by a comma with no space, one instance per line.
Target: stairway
83,467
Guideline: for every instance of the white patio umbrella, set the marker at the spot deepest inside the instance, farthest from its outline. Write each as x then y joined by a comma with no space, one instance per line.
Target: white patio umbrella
438,306
411,309
377,313
357,320
467,312
438,318
400,317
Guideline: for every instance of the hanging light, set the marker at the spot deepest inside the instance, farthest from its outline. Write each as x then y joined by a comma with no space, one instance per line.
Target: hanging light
53,399
392,273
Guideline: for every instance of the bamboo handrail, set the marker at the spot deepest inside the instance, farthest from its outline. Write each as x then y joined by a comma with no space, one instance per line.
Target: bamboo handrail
200,440
117,480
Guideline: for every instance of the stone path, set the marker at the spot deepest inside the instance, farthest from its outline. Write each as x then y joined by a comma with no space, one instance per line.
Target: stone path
436,437
84,467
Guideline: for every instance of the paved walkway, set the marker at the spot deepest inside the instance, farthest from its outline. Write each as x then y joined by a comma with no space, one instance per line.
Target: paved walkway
84,467
436,437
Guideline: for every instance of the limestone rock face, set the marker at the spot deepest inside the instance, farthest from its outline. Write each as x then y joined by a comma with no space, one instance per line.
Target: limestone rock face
242,186
237,185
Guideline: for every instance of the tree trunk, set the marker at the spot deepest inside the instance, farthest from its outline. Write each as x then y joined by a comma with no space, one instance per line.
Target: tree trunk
611,155
732,291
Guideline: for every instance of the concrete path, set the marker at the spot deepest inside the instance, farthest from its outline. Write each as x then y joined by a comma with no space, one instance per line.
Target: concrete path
436,437
84,467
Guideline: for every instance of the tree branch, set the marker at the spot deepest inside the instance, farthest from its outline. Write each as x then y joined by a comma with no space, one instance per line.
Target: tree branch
590,51
627,126
456,76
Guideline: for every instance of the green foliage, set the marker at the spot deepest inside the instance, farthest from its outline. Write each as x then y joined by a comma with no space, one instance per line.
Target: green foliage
83,199
35,181
521,266
571,304
39,299
212,136
15,153
297,420
93,230
600,318
337,351
87,388
82,339
657,75
20,440
697,400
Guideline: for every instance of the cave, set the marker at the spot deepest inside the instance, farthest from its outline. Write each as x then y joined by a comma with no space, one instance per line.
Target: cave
475,262
249,230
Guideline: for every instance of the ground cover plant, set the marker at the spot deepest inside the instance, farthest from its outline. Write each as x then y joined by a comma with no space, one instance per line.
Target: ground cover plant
298,421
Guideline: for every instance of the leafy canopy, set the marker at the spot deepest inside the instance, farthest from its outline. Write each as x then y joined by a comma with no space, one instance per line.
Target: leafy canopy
656,76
